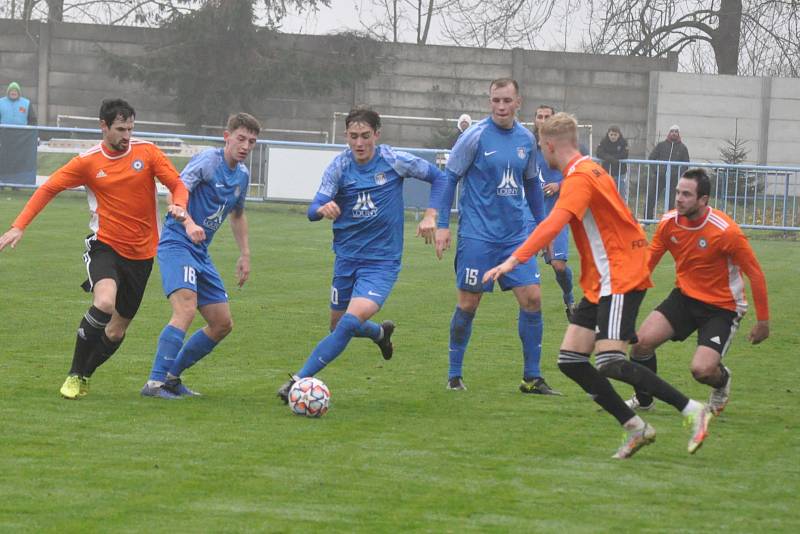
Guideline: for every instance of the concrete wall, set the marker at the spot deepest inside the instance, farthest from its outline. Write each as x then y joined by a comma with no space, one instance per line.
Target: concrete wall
710,108
59,67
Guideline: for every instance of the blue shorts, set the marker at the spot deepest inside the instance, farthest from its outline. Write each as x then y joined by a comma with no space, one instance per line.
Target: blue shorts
560,246
371,280
182,268
474,257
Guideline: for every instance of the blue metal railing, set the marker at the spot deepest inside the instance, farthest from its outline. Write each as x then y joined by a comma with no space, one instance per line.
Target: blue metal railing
760,197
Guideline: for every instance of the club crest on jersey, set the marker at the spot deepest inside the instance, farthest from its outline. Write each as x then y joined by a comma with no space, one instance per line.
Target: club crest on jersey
137,165
364,207
702,243
508,186
380,178
521,152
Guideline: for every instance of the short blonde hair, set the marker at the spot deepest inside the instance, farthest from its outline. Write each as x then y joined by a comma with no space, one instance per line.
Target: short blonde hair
560,126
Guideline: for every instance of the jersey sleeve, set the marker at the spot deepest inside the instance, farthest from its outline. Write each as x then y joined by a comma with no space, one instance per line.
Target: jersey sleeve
332,177
166,174
657,247
196,171
463,153
71,175
575,194
742,254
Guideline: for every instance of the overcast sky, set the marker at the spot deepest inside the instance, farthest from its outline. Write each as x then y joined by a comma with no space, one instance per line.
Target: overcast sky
343,15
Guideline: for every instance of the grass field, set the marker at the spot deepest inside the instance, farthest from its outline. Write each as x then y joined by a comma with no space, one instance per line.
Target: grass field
397,452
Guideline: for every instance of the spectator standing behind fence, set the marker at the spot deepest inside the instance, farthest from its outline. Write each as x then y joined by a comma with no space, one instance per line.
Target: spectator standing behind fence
16,109
611,150
670,149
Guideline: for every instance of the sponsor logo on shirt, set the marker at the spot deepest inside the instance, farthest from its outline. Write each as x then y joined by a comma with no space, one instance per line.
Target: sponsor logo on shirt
508,186
101,174
380,178
214,221
673,239
137,165
364,207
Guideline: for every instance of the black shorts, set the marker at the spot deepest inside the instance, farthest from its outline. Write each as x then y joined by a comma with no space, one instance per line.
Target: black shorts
715,326
614,317
130,275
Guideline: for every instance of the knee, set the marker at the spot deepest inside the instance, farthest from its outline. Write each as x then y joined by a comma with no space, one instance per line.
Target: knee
114,332
643,347
104,303
222,328
702,372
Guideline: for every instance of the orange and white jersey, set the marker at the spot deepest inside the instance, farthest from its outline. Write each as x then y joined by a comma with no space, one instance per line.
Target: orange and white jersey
121,191
710,255
612,245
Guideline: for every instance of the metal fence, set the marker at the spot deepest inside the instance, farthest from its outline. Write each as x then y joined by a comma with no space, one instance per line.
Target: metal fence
760,197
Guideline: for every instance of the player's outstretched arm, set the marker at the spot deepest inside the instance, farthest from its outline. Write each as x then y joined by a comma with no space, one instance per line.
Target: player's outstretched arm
11,238
241,234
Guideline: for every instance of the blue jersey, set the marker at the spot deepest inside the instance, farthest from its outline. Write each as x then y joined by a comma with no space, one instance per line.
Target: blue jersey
370,197
497,168
214,190
548,175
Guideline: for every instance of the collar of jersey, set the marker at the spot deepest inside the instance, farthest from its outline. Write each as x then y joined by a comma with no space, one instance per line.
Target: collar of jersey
574,163
690,224
114,155
505,131
367,165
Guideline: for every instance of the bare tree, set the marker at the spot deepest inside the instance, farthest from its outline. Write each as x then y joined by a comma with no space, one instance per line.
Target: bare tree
500,23
754,36
400,20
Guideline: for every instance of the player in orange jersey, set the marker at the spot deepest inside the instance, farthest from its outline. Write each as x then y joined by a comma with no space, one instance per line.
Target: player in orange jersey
118,175
614,278
710,253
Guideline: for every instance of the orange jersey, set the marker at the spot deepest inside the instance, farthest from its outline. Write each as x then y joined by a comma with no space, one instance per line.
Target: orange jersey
121,192
611,244
710,255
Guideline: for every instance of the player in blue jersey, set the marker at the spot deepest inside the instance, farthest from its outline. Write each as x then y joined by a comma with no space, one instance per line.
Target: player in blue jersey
495,160
362,193
217,180
558,253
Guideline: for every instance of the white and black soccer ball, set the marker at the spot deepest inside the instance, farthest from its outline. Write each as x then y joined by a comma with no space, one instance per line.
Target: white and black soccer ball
310,397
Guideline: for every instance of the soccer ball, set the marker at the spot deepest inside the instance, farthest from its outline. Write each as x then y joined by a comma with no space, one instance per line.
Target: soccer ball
310,397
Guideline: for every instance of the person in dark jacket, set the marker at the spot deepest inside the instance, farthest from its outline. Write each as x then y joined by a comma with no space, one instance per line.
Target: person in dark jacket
670,149
610,151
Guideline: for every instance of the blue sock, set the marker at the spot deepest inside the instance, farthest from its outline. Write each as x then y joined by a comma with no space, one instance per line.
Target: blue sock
460,330
369,329
198,346
564,279
530,332
169,345
332,346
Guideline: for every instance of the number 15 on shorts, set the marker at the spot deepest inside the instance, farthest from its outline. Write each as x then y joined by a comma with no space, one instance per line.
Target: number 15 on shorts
471,276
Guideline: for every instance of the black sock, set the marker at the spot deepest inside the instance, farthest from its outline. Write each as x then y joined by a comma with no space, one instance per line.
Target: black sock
595,384
101,353
89,332
613,364
724,374
644,397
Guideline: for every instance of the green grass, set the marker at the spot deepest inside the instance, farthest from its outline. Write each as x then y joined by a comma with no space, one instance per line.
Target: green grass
397,452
